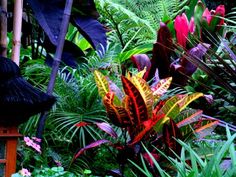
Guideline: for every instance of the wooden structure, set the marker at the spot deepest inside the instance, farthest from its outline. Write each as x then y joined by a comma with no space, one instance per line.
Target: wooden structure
8,145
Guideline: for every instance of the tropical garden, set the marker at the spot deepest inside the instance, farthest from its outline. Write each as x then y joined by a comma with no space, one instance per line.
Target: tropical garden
141,87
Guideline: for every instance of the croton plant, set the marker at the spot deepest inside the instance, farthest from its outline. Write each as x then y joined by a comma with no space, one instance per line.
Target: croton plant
144,115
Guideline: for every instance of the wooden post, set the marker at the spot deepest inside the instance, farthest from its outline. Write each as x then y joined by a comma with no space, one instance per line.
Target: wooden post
17,23
9,136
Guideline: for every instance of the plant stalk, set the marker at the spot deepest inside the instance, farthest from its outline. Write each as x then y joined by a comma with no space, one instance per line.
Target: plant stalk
56,62
3,28
17,24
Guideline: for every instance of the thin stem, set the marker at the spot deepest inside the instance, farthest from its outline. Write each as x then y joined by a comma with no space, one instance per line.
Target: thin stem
3,28
56,62
17,24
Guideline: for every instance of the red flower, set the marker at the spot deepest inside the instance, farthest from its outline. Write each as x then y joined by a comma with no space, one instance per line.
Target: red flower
182,28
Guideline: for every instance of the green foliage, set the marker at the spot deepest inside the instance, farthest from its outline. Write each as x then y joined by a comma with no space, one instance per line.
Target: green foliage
125,26
190,163
153,11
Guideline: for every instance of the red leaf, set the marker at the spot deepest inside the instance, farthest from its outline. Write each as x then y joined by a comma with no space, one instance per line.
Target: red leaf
170,132
92,145
107,128
117,115
136,105
81,124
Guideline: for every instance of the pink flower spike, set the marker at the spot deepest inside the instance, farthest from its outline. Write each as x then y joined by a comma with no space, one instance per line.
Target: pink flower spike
24,172
191,25
28,141
36,139
182,29
207,15
220,11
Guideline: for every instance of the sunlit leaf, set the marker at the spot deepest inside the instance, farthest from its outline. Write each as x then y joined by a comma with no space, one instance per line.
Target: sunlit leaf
102,83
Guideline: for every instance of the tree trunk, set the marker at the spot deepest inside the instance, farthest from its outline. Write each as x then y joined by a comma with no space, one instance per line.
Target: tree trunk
17,23
3,28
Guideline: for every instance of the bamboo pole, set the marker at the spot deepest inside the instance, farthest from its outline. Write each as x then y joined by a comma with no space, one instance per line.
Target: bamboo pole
56,62
17,24
3,28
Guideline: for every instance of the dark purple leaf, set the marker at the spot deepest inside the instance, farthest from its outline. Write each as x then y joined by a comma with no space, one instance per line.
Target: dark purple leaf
72,55
92,145
162,50
107,128
93,31
142,61
49,16
147,157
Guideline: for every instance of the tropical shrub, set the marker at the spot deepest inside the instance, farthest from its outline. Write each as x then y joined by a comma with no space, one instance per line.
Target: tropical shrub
142,116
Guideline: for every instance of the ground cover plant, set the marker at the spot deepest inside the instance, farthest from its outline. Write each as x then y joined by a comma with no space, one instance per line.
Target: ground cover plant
144,88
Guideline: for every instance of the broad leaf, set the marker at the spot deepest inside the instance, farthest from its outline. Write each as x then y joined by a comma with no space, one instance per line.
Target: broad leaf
93,31
188,117
162,50
49,15
92,145
136,104
145,92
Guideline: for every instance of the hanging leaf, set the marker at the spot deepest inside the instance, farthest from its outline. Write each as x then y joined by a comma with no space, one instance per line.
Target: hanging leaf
145,92
136,106
93,31
107,128
92,145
